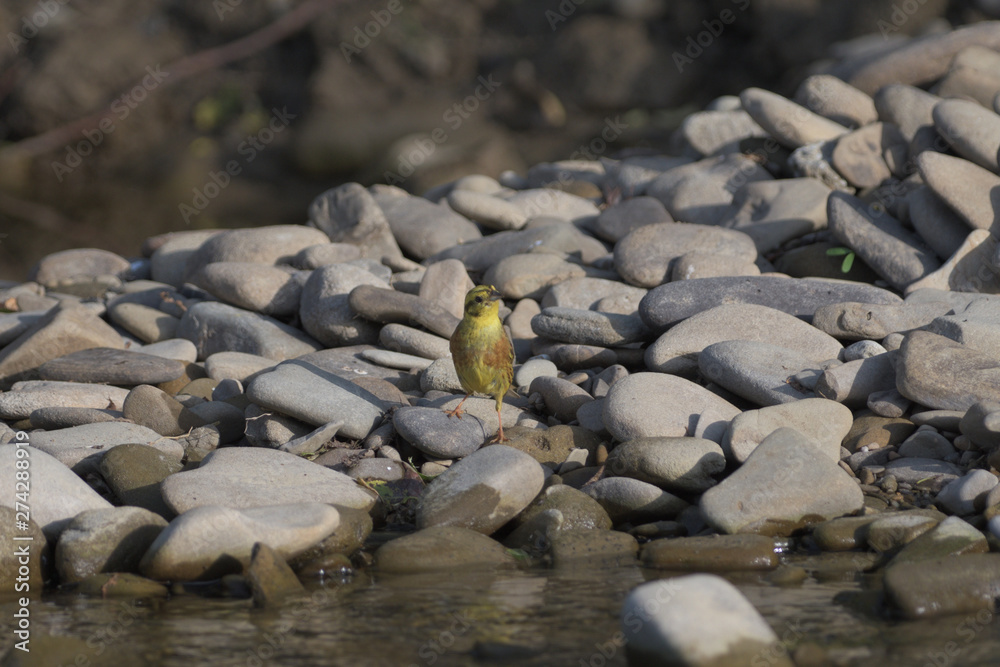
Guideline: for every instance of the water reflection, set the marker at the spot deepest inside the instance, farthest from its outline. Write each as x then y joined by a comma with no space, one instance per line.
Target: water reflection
508,617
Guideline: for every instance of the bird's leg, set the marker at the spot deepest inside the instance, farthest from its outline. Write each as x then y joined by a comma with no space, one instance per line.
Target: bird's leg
457,412
500,437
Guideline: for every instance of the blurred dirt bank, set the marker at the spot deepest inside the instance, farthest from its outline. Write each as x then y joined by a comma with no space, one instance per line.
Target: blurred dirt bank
229,113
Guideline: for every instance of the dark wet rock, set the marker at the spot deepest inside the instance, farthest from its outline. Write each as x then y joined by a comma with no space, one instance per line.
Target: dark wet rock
715,553
440,548
105,540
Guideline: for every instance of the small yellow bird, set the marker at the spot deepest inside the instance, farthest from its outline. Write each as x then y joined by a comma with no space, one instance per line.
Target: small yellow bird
482,352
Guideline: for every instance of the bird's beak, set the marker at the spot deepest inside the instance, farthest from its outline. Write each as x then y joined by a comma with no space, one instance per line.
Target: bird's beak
495,294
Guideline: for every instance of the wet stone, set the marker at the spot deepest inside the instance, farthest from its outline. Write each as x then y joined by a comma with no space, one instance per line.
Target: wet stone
716,553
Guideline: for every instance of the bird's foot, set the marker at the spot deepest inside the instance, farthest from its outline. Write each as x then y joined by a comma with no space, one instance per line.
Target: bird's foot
457,412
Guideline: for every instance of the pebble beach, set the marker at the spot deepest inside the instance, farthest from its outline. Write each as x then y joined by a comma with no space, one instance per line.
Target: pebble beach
775,340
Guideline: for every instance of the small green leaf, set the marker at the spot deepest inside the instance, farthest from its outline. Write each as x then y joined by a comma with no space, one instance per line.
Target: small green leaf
848,262
836,252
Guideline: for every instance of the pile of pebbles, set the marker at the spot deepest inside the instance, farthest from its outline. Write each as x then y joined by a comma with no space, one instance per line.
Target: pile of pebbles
701,384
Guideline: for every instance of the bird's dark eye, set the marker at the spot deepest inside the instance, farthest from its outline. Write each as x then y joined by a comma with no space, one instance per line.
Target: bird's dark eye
479,299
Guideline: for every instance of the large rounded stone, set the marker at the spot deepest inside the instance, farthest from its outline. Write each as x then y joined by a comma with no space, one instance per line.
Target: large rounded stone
677,350
483,491
211,541
326,314
108,540
645,405
645,257
826,422
52,511
681,465
698,619
307,392
775,491
218,327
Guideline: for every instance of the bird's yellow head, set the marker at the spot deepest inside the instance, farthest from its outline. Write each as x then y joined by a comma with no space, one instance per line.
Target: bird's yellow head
482,301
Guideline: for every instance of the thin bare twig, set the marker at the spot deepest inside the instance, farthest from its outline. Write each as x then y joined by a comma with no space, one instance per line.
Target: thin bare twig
184,68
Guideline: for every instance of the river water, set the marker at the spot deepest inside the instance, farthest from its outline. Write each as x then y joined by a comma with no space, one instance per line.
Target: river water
533,616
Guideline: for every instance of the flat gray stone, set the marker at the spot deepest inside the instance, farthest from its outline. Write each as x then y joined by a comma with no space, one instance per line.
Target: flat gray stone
86,445
348,214
825,422
51,511
172,250
875,321
326,314
971,269
420,227
907,107
441,549
62,330
970,190
248,477
317,397
263,245
790,124
436,434
588,327
938,225
895,253
701,192
944,586
918,61
615,222
837,100
631,500
774,212
972,376
645,257
218,327
912,470
105,540
759,372
774,491
645,405
666,305
486,209
106,365
210,541
32,395
677,350
587,293
530,275
971,129
681,465
851,383
251,285
67,266
550,202
144,322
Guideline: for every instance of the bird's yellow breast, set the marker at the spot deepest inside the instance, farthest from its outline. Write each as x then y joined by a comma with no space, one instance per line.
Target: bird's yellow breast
483,356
